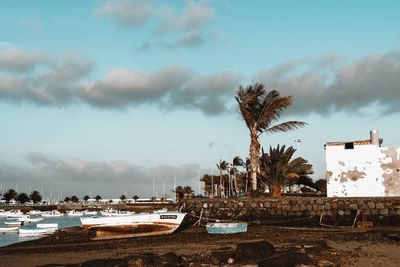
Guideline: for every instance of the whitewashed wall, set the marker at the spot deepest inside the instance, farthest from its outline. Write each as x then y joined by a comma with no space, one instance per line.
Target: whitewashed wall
365,171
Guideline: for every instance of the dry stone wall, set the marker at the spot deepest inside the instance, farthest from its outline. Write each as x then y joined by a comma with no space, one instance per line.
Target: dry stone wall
300,210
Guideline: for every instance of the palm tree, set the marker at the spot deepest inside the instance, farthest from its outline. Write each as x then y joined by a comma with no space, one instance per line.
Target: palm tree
179,192
278,169
222,166
122,197
135,197
236,162
98,197
260,110
188,191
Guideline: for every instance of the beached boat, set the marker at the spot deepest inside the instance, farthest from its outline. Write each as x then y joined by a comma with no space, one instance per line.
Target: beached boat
8,229
226,228
141,224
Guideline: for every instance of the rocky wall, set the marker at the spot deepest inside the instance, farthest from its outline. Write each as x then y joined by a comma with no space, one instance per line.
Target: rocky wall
299,211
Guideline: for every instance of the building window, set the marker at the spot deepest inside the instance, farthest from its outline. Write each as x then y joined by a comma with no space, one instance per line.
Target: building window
349,145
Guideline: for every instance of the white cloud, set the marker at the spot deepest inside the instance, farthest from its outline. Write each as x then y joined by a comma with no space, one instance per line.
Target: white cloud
18,60
331,84
194,16
127,12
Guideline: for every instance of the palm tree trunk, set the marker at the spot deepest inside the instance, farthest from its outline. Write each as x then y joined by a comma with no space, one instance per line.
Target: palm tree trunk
254,157
276,191
235,182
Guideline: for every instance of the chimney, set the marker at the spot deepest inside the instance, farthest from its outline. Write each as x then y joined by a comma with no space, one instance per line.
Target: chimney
374,137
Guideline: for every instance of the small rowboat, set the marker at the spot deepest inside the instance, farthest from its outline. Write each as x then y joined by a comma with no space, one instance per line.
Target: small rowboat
29,220
8,229
226,228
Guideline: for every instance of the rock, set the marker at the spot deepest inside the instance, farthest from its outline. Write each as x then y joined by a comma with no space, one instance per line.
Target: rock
253,251
170,258
288,259
380,206
145,260
222,256
318,247
325,263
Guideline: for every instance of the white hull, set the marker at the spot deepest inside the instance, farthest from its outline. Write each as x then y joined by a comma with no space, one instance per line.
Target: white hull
47,225
142,224
8,229
35,231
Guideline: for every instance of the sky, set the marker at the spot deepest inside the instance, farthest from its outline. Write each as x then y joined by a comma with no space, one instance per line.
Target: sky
105,97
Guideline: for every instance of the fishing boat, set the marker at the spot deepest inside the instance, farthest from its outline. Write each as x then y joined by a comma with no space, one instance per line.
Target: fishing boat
135,225
113,212
226,228
8,229
90,213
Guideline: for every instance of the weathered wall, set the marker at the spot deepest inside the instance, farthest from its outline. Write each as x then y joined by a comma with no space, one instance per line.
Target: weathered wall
337,211
365,171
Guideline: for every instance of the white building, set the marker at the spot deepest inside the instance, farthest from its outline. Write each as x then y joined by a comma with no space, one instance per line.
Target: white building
362,168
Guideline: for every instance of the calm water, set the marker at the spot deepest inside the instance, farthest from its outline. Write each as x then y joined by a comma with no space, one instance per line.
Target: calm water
11,238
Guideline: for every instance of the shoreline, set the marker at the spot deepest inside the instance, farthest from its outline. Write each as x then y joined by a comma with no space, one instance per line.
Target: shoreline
72,246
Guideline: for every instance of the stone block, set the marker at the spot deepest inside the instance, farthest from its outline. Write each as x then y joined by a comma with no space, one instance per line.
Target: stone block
398,212
341,212
309,207
267,204
320,207
302,207
353,206
384,212
334,205
296,208
371,205
314,207
327,206
380,206
374,211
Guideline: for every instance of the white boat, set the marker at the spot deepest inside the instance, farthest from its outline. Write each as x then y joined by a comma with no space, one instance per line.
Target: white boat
113,212
30,219
8,229
33,231
226,228
35,212
14,223
53,213
15,214
47,225
90,213
74,213
141,224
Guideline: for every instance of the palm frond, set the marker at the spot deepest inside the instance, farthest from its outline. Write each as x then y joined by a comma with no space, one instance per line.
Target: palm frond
286,126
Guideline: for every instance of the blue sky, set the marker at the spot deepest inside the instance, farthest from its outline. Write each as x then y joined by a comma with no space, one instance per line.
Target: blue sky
104,96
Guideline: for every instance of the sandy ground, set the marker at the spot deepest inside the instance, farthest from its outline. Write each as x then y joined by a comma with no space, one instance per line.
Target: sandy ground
349,246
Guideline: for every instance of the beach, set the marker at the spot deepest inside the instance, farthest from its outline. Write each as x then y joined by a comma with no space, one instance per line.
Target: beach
194,247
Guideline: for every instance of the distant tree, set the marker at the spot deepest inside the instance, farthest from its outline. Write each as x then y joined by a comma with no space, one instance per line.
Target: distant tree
135,197
67,199
98,197
23,198
75,199
187,191
122,197
10,194
86,198
236,162
35,197
278,169
222,166
179,192
321,185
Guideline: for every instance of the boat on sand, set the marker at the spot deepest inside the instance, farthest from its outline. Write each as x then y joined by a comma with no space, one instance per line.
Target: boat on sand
226,228
135,225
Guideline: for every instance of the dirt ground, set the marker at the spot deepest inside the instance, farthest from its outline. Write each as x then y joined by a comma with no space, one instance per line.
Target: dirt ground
347,246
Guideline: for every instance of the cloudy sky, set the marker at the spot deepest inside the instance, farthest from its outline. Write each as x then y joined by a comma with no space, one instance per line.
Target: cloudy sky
105,96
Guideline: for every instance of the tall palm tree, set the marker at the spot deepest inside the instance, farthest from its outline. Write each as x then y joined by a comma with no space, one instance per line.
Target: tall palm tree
188,191
222,166
260,110
278,169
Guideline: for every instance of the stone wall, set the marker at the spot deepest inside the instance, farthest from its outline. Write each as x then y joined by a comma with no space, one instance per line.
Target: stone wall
300,210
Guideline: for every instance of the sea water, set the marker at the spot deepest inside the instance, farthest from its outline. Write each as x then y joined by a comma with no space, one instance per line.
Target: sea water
11,238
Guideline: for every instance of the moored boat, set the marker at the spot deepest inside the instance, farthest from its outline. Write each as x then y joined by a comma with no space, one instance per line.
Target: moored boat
141,224
30,219
47,225
53,213
8,229
34,231
14,223
74,213
226,228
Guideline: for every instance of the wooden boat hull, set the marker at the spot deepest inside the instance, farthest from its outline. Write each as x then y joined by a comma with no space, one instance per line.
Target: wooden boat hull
226,228
133,230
